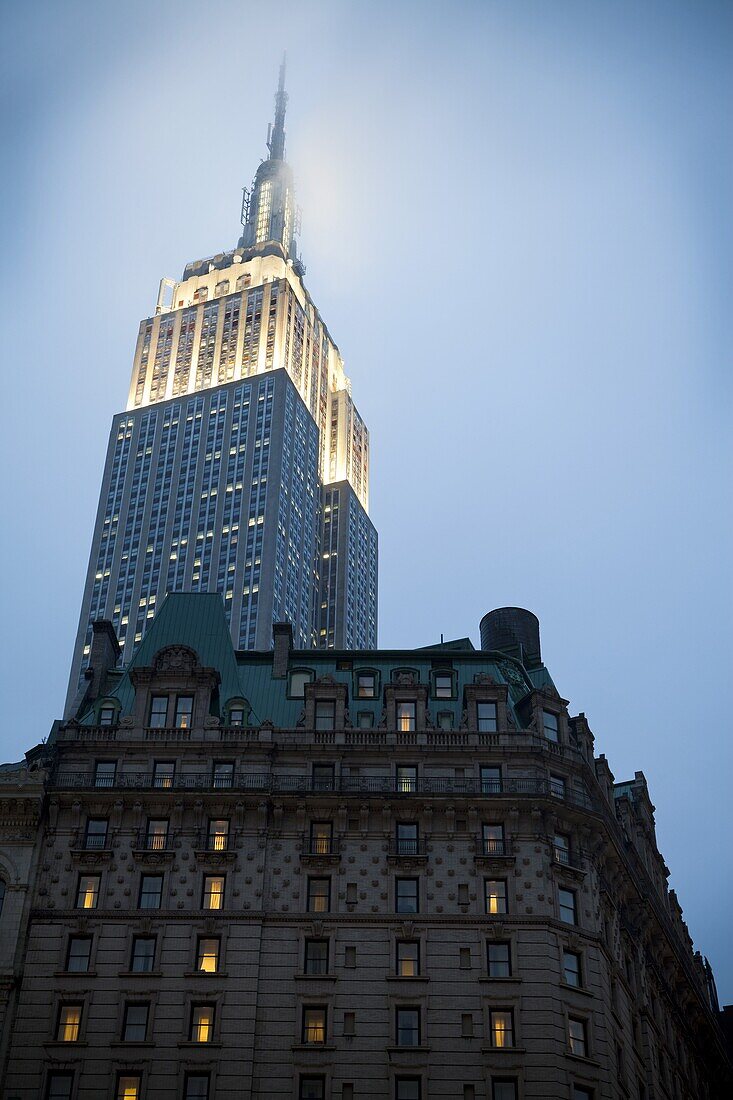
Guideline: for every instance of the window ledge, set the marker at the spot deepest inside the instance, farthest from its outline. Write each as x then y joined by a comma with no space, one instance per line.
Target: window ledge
582,990
139,973
205,974
487,1048
209,855
583,1059
75,974
302,976
504,981
60,1044
409,978
128,1043
191,1044
312,1048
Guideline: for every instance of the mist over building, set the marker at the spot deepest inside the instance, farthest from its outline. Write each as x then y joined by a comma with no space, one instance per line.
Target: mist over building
241,463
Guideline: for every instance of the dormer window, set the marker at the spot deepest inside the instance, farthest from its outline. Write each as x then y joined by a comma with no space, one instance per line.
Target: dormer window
406,716
158,712
108,714
443,684
325,714
184,712
298,679
550,725
486,717
366,685
236,716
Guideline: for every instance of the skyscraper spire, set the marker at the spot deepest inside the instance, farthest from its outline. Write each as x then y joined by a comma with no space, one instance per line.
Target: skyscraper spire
276,135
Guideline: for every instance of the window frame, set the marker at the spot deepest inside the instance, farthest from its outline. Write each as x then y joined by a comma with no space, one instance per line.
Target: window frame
294,673
156,713
311,896
308,968
501,897
406,722
492,720
308,1079
561,906
416,1030
134,1005
73,938
178,714
59,1075
97,776
66,1005
207,878
502,962
202,954
553,728
364,674
411,943
496,1011
399,880
448,674
321,1027
144,877
96,833
583,1039
197,1023
193,1075
97,879
163,782
578,973
133,954
324,715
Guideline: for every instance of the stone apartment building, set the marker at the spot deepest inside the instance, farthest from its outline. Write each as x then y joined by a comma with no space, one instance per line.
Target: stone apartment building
311,874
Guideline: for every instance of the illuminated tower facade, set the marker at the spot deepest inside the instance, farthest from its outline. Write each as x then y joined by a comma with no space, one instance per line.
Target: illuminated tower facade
241,464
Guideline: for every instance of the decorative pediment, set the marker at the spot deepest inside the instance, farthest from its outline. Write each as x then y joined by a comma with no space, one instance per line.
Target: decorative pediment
175,658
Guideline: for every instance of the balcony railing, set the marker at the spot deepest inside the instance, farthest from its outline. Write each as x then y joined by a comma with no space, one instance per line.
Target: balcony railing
406,847
491,846
314,846
267,782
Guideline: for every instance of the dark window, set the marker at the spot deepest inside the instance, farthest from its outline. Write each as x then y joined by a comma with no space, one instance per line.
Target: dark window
502,1027
571,968
314,1024
407,839
213,895
135,1026
364,720
323,777
406,779
321,838
407,1088
319,895
202,1024
408,958
59,1086
486,717
495,895
156,839
366,686
490,780
78,954
406,716
184,712
408,1027
159,711
557,786
443,685
197,1086
207,954
69,1022
107,715
312,1088
406,897
96,833
218,837
325,714
223,775
151,891
163,774
503,1088
567,905
499,960
143,954
104,773
577,1038
493,838
87,896
128,1086
316,957
550,725
236,716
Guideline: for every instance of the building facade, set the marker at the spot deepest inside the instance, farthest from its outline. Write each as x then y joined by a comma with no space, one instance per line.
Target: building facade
309,874
239,423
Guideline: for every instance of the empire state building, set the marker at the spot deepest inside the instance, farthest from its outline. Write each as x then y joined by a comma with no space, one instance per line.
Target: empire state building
241,464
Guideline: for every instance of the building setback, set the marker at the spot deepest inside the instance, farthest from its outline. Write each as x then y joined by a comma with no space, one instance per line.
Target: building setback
239,422
309,874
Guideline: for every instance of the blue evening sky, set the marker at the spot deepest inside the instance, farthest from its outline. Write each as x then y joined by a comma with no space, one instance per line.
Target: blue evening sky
517,225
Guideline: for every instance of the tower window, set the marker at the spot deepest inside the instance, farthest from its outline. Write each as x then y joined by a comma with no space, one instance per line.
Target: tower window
550,725
486,717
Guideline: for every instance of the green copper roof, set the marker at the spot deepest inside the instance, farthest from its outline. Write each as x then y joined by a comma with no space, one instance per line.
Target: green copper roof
197,620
